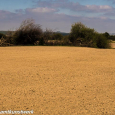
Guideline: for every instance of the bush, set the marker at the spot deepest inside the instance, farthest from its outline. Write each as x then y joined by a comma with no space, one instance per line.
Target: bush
112,37
57,36
28,33
9,37
41,41
47,35
2,35
83,36
76,31
102,41
106,34
66,40
3,42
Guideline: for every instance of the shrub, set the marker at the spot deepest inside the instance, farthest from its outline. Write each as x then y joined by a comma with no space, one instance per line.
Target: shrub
47,35
28,33
106,34
112,37
57,36
83,36
66,40
2,35
102,41
41,41
3,42
9,37
76,31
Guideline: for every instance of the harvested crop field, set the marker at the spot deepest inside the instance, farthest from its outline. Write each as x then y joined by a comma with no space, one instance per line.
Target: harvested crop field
57,80
113,45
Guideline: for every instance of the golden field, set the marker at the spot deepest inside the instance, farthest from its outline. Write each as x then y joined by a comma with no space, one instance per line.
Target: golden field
57,80
113,45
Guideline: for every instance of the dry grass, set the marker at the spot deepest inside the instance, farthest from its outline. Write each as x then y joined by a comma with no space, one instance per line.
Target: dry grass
58,80
113,44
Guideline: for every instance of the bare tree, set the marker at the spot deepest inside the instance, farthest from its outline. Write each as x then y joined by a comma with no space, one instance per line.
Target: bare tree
28,33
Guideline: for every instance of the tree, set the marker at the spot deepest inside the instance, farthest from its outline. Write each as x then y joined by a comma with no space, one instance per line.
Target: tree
84,36
79,32
28,33
106,34
76,31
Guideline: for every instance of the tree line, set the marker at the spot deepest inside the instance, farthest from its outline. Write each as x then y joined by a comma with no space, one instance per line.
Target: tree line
30,33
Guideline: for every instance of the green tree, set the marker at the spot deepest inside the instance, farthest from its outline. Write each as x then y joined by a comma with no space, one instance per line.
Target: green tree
76,31
88,37
82,33
106,34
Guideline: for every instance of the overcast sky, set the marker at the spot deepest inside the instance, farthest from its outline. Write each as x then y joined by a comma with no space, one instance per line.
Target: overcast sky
59,15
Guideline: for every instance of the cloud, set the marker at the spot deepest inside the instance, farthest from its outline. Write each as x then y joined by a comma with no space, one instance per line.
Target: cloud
54,21
100,8
75,6
47,14
4,14
41,10
61,4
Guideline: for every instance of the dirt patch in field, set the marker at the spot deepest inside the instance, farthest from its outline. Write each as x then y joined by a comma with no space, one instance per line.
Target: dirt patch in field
58,80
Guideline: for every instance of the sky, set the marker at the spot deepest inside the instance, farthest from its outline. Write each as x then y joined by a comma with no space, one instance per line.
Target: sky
59,15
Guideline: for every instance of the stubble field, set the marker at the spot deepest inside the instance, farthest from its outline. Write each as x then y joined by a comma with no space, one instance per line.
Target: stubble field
58,80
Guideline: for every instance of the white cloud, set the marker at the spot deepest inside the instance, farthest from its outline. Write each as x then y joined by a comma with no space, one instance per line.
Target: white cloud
47,15
55,21
105,7
75,7
42,10
103,18
99,8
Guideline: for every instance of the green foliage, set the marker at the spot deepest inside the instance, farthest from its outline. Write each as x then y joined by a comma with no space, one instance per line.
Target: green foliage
106,34
66,40
41,41
47,35
57,36
52,38
2,35
28,33
112,37
102,41
83,36
76,31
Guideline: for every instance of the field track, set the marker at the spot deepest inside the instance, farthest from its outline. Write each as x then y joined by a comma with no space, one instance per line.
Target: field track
58,80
